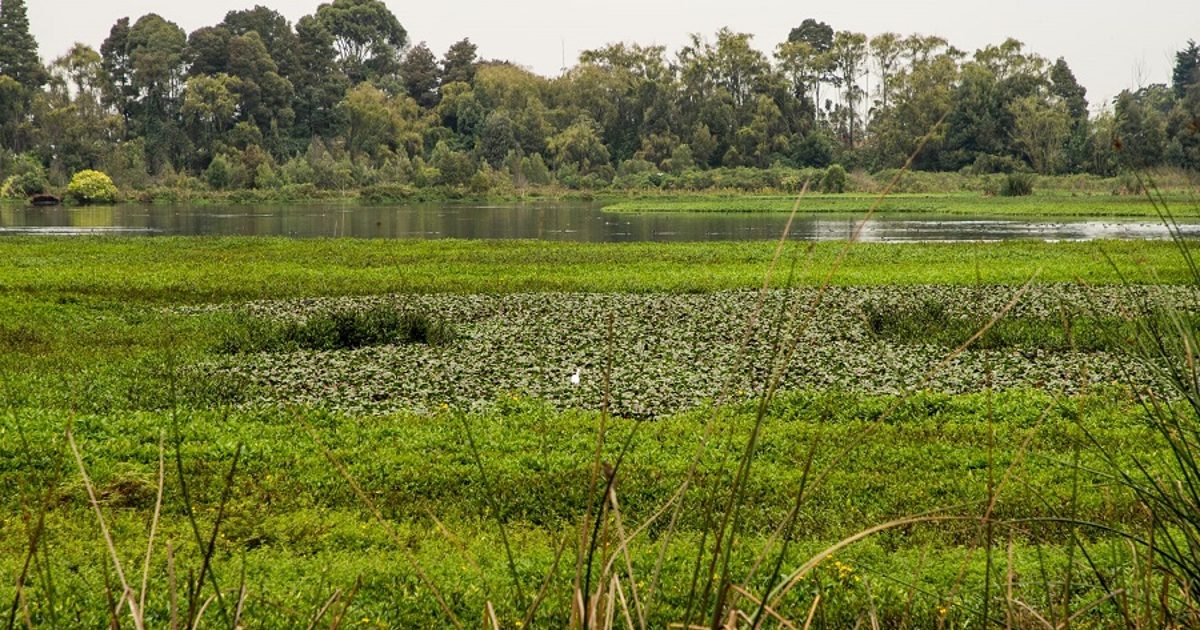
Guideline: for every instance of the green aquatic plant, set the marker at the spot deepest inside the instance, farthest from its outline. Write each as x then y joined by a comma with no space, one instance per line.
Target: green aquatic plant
342,329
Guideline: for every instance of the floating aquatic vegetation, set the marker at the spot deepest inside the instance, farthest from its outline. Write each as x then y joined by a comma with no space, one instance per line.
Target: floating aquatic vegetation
671,352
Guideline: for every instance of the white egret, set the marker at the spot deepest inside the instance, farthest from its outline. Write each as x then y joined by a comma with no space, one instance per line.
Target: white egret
576,378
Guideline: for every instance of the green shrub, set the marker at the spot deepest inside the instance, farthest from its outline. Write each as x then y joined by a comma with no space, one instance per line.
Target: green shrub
834,180
387,193
28,178
336,330
1017,185
219,173
92,187
1127,184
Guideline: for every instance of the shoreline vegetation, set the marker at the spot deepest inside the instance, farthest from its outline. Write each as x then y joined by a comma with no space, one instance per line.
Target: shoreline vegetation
766,192
198,269
342,105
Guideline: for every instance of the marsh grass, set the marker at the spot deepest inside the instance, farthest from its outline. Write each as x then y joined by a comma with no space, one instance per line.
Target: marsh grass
343,329
929,321
1169,340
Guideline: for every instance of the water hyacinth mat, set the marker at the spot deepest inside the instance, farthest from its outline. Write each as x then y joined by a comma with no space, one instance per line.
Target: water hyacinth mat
666,353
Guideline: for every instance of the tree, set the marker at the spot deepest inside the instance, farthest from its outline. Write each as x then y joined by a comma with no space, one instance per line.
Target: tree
1187,69
92,187
366,35
1064,86
460,63
318,80
1140,133
1183,129
454,168
80,66
419,70
731,64
579,146
18,50
209,106
274,30
497,138
627,90
1040,129
818,35
765,138
819,38
75,131
885,51
118,70
208,51
155,49
264,97
1074,96
368,120
800,63
850,55
922,93
145,64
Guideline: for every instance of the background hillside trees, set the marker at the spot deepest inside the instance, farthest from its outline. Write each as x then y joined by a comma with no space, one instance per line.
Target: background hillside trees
340,99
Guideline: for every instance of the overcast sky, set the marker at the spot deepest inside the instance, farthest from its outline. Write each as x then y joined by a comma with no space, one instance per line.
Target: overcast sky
1111,44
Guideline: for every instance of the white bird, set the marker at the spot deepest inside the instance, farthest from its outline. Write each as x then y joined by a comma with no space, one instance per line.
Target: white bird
576,378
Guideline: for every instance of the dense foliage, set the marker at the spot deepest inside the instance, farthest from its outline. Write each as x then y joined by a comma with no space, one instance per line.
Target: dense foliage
92,187
341,101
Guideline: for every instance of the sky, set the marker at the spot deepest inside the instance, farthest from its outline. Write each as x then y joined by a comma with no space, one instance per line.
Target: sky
1110,44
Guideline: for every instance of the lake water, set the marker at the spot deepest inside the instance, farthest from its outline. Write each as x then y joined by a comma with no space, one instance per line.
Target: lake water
555,222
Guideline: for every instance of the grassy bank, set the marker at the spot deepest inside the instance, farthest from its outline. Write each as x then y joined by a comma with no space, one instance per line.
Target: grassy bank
176,270
974,204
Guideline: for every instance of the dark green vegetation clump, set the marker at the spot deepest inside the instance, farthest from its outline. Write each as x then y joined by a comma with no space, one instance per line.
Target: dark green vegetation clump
1017,185
341,329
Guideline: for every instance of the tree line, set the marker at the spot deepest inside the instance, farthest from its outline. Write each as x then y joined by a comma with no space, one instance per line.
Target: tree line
342,99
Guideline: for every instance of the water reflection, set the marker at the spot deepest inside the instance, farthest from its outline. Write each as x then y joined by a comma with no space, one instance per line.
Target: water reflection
553,222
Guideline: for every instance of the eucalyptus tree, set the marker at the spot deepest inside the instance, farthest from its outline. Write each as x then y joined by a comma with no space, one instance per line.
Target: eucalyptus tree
366,35
922,91
849,53
75,130
579,147
318,81
145,67
818,40
273,28
1140,131
209,110
629,90
886,50
264,96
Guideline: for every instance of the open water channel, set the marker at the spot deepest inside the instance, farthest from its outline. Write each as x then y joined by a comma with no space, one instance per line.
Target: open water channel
552,221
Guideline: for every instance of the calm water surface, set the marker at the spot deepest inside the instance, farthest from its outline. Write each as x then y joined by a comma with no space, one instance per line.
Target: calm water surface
554,222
